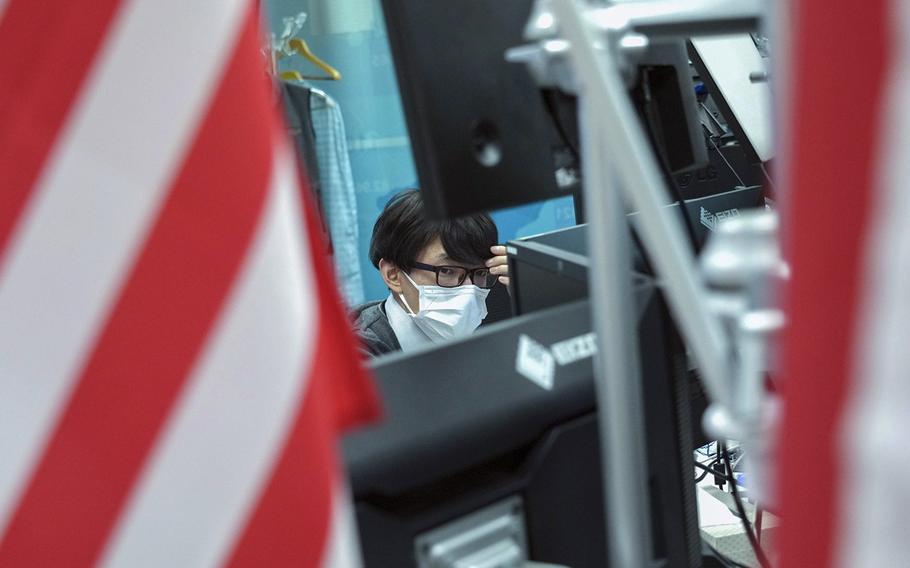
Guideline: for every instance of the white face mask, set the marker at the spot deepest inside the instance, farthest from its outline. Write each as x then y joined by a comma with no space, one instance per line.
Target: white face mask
447,313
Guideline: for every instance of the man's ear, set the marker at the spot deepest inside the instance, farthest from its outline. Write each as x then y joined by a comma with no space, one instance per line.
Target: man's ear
391,274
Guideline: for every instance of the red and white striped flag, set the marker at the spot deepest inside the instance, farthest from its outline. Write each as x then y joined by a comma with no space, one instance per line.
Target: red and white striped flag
845,445
174,363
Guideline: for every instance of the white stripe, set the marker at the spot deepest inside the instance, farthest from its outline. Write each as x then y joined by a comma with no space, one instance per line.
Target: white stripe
343,547
875,487
3,4
226,433
106,178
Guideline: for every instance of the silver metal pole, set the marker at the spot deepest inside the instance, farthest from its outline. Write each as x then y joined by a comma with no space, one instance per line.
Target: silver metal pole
643,189
617,376
681,18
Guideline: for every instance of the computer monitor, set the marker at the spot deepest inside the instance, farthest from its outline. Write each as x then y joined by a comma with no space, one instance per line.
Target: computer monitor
485,135
479,130
731,67
489,448
664,96
552,268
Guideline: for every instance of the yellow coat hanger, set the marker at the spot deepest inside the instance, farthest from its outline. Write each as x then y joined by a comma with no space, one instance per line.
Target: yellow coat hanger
301,47
291,75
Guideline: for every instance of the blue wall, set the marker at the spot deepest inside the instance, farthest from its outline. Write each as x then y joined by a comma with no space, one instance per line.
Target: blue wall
351,36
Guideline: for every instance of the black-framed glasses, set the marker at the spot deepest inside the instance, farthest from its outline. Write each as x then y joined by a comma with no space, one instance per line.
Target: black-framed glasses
454,276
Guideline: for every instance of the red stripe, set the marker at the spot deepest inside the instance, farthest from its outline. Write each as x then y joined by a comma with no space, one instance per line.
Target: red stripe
161,321
290,525
43,65
834,120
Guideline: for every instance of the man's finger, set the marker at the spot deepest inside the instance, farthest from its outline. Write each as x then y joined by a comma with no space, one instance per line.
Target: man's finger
498,250
497,260
504,280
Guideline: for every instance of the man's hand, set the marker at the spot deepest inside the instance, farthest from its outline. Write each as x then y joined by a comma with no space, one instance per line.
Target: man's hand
499,264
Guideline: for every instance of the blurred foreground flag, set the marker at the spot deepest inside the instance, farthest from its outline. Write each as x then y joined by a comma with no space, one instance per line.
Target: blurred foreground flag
175,366
845,469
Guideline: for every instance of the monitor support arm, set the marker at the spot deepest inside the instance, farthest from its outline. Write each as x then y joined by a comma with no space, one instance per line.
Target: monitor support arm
592,51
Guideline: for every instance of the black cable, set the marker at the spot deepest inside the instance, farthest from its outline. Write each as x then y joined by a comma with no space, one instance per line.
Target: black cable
703,475
747,526
711,463
707,468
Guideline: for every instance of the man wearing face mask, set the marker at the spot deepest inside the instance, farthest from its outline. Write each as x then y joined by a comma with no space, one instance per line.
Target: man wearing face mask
438,275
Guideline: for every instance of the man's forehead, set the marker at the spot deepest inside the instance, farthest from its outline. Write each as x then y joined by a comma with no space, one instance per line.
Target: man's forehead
442,257
435,253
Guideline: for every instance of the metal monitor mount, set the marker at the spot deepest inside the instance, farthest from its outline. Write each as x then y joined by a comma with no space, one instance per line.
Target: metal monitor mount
724,311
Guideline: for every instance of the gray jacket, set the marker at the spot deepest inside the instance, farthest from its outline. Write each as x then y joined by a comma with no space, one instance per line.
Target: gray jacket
373,329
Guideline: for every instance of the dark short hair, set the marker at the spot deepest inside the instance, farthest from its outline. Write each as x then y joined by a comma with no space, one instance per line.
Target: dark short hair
403,230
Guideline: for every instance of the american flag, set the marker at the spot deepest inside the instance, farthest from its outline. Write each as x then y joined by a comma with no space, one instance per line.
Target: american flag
175,365
845,468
